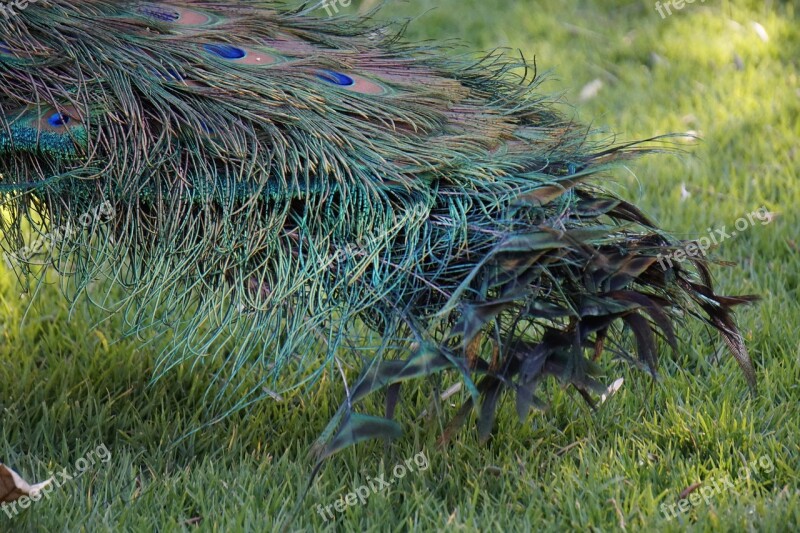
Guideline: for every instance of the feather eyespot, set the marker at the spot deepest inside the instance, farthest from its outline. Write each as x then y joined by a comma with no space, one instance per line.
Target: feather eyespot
240,54
225,51
57,120
336,78
174,15
352,82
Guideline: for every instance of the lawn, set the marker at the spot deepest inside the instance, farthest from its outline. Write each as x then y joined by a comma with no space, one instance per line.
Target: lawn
727,72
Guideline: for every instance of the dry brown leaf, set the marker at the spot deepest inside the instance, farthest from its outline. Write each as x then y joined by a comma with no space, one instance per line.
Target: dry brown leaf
688,490
13,487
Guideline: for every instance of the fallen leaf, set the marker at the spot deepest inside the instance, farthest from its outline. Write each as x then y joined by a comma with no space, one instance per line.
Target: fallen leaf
760,31
684,192
13,487
688,490
614,387
590,90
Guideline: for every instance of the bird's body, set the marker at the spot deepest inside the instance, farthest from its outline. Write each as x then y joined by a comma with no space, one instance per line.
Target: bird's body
286,190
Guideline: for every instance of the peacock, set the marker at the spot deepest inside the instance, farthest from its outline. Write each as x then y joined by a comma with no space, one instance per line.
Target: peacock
297,195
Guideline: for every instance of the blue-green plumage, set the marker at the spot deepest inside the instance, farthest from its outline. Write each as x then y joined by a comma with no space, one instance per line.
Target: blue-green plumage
287,191
22,136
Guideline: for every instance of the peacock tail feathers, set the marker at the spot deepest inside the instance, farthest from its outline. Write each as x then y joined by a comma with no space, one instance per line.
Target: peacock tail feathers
286,192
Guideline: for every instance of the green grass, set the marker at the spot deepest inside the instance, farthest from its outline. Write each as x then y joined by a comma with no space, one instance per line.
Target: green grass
64,389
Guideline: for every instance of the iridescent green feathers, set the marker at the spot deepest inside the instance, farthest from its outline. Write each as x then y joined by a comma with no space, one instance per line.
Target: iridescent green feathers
287,190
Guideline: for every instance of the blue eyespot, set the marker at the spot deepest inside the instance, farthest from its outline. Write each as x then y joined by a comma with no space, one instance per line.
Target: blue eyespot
5,49
571,168
57,120
225,51
336,78
159,13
